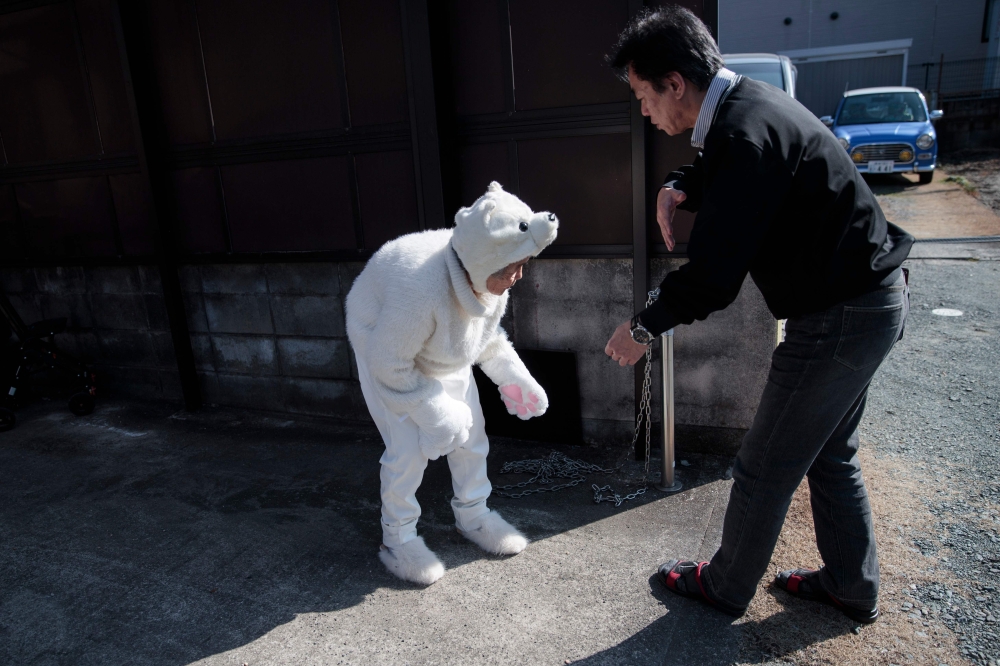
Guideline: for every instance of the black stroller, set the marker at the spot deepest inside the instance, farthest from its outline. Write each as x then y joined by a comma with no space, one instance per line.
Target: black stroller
33,363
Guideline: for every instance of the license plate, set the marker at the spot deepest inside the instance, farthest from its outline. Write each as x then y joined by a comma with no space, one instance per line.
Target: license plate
880,166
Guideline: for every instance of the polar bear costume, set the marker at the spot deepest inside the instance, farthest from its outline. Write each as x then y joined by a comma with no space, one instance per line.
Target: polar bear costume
418,317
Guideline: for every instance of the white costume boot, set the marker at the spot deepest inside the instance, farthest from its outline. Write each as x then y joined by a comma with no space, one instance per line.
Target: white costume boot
495,535
412,561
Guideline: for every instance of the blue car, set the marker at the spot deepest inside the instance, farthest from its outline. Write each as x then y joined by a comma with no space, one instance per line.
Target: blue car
887,130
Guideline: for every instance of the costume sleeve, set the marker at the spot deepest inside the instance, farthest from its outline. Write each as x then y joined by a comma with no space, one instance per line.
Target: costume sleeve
500,362
745,188
689,180
521,394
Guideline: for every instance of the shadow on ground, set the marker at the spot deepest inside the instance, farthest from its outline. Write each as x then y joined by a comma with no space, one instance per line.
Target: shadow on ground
139,534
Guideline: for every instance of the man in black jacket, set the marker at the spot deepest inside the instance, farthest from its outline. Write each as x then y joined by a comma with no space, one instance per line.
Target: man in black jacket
777,197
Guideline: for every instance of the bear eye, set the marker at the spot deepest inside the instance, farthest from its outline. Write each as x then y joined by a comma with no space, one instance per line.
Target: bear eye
552,217
523,226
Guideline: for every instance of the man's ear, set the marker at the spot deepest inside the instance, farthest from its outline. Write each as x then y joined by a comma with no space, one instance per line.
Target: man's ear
675,84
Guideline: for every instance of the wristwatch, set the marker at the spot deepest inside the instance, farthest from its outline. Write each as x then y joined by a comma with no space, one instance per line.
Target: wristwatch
639,332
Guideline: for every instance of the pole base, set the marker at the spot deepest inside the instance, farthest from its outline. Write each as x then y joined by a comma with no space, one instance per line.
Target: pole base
676,488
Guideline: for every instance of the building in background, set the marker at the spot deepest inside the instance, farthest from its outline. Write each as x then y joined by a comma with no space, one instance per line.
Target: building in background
847,44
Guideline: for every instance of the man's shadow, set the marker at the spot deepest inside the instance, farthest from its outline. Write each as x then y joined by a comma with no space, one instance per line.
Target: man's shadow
691,632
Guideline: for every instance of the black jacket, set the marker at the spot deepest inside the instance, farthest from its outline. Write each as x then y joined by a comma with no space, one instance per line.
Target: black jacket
776,196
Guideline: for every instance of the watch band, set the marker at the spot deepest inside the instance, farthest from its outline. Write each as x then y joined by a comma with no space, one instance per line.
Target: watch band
640,334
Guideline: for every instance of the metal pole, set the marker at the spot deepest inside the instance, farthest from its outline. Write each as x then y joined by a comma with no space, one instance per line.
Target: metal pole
668,483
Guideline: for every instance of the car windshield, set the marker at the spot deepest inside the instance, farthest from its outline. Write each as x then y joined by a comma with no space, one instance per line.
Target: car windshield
768,72
898,107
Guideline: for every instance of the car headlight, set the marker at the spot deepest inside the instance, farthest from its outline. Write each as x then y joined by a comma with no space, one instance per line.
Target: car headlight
858,156
905,155
846,143
925,141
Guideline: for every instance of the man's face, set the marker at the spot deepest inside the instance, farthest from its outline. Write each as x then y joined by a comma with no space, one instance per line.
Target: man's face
505,278
664,109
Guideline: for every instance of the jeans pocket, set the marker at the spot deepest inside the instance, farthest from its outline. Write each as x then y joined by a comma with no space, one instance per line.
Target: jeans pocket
867,334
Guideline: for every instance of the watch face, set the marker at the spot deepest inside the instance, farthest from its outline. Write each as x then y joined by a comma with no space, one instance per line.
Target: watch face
641,335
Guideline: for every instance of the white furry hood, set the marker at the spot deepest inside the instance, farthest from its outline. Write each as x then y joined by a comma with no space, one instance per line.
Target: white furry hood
498,230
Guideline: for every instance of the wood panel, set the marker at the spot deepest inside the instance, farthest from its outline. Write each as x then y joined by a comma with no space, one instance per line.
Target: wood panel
558,51
105,76
387,196
45,110
480,165
67,218
586,181
10,237
478,50
179,73
373,56
133,209
201,224
272,66
293,205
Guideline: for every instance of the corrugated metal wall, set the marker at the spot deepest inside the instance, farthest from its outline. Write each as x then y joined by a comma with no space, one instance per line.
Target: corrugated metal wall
821,84
953,28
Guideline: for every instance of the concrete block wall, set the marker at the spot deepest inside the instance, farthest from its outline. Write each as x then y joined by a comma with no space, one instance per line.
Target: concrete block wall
720,368
720,364
574,305
272,336
116,321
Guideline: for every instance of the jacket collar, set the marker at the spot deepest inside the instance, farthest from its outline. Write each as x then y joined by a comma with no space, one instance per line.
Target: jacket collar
718,90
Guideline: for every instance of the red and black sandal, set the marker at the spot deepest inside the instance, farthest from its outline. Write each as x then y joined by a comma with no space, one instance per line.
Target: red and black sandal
804,584
683,577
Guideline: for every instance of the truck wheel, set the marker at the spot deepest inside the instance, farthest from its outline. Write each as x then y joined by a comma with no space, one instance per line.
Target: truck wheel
7,419
926,177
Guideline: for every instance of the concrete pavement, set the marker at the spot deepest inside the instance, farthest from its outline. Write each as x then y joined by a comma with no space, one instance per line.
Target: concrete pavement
141,535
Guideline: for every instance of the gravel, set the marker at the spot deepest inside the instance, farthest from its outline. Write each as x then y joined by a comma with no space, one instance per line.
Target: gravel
981,168
935,408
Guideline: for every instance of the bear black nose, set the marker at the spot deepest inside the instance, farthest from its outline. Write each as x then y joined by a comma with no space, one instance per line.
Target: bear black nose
523,226
552,217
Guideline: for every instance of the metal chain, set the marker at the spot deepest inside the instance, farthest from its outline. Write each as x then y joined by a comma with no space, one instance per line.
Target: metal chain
644,416
556,466
561,466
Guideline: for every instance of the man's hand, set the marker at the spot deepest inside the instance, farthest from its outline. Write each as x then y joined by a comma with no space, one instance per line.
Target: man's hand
666,203
622,348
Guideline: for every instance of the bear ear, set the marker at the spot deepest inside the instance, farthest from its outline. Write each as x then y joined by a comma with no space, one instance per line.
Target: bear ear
494,187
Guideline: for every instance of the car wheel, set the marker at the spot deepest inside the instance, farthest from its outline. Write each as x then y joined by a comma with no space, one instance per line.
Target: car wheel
926,177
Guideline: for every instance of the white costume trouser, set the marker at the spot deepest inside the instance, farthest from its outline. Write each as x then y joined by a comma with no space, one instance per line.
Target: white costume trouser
403,462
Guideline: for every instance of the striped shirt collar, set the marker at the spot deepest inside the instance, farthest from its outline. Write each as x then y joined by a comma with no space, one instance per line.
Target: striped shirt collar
724,81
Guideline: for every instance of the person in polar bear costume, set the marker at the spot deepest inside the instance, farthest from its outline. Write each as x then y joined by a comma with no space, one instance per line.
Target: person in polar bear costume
425,309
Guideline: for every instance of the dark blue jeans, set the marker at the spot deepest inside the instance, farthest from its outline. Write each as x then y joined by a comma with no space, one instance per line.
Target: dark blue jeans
807,425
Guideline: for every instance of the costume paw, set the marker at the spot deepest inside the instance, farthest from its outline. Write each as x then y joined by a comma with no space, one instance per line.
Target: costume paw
521,406
495,535
413,561
448,433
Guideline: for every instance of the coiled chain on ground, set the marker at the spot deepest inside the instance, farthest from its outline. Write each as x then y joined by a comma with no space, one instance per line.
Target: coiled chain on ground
560,466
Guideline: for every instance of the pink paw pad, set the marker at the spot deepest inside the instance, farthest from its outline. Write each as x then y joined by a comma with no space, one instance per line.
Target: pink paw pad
513,398
513,391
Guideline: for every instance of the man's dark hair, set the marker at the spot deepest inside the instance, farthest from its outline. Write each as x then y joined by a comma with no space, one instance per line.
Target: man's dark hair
669,39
